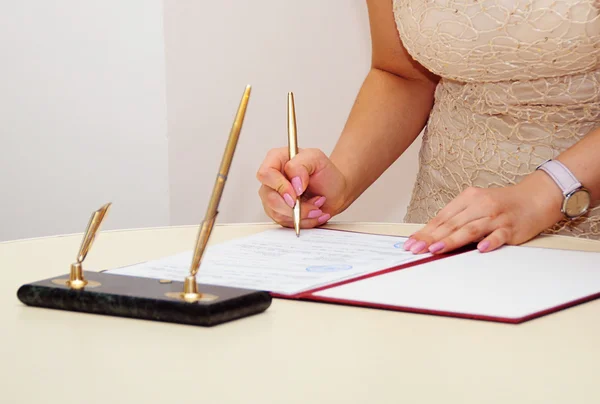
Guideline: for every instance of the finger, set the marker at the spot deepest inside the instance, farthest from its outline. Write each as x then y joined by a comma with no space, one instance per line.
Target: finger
310,214
309,209
463,219
270,174
437,227
281,220
307,223
302,166
496,239
449,213
274,201
471,232
443,225
317,201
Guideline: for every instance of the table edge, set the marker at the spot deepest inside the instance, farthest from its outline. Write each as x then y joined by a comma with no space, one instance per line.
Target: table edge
538,241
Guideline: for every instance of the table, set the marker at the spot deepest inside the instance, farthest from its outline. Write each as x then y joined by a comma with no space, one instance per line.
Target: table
295,352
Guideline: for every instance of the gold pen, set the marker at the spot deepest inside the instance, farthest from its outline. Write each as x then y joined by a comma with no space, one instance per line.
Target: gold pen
190,286
293,150
76,278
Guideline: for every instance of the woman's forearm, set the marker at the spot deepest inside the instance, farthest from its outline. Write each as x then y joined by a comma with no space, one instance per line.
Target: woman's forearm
387,116
583,160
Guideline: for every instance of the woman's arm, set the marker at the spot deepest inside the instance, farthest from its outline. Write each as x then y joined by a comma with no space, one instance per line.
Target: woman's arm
390,110
513,214
583,160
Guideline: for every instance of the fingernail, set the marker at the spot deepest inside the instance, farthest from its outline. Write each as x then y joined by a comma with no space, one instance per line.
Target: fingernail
324,218
417,247
313,214
484,245
288,199
408,243
297,184
320,202
435,247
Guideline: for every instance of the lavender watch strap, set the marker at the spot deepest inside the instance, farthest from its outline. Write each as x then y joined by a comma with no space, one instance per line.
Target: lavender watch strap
565,180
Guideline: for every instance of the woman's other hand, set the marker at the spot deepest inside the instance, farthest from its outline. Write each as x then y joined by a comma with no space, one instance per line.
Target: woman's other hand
492,217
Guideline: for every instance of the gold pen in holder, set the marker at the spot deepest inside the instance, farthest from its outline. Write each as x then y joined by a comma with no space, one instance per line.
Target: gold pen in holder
293,150
190,292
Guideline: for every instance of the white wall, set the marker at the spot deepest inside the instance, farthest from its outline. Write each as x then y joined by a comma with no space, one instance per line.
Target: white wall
86,89
82,115
318,49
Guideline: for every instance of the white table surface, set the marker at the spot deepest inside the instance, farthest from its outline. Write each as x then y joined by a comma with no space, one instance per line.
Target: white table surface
295,352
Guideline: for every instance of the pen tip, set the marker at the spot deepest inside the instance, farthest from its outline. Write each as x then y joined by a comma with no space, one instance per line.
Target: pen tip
297,218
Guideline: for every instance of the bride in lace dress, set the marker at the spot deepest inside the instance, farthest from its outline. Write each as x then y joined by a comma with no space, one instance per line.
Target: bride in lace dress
520,84
500,86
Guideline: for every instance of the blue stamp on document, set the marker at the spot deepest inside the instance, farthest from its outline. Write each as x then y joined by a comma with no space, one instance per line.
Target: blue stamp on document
399,244
329,268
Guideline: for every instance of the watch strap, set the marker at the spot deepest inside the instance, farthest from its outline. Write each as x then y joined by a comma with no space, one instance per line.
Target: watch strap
563,177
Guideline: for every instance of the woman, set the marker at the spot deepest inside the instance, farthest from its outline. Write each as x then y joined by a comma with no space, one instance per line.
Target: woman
501,88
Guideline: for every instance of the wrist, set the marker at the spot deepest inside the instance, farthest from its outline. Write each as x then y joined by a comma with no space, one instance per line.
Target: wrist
576,198
546,196
343,198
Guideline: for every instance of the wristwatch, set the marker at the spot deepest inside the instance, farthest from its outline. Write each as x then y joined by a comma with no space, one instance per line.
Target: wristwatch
577,199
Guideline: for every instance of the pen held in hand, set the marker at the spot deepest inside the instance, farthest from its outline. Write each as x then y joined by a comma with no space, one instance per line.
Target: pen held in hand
293,150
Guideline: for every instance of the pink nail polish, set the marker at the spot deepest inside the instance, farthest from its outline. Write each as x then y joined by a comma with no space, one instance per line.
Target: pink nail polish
324,218
409,243
320,202
435,247
313,214
297,184
288,199
484,245
417,247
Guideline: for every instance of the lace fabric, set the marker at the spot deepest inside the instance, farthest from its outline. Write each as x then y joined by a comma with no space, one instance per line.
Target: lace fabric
520,83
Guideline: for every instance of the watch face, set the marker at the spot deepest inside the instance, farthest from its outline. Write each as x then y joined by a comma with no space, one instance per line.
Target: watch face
577,203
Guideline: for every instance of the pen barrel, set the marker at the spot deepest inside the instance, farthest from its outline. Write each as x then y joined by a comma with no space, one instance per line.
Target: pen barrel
213,204
228,156
293,151
91,230
292,129
201,242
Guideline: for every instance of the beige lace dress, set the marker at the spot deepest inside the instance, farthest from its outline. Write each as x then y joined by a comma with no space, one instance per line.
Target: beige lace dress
520,84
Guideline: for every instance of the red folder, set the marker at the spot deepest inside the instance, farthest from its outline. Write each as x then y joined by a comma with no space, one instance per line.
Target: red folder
590,272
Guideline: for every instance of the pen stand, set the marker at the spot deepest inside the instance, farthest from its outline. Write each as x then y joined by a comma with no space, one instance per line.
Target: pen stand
137,297
149,299
144,298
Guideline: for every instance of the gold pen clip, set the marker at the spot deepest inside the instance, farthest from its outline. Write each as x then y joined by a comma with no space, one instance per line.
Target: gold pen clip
76,279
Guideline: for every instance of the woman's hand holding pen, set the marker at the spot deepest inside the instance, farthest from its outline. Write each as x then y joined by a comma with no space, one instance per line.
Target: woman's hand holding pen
310,175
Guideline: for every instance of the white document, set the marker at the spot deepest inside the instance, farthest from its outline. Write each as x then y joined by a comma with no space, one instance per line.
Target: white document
511,282
278,261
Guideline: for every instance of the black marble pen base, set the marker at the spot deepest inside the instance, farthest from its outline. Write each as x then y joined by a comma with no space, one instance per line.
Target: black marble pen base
144,298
